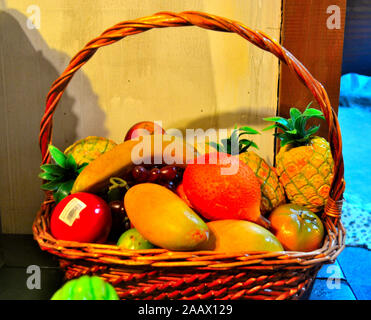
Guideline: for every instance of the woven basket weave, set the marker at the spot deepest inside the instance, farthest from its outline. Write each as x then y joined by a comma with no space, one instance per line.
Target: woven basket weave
162,274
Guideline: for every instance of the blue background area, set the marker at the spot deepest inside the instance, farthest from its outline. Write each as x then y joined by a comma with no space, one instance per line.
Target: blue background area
355,124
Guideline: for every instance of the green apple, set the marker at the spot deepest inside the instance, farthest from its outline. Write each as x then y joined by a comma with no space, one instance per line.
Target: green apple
133,240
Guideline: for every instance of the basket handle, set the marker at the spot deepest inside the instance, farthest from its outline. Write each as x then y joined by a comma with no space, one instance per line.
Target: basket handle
212,22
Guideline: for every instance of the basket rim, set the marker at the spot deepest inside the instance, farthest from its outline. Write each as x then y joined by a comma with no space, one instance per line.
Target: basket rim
333,244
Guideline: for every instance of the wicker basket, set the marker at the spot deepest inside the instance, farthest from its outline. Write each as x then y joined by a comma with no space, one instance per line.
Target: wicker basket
162,274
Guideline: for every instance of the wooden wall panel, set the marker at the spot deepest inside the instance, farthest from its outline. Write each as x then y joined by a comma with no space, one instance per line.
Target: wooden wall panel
320,49
186,77
357,38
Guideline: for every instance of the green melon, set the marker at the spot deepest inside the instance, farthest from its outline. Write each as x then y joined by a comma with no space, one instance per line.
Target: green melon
88,149
86,288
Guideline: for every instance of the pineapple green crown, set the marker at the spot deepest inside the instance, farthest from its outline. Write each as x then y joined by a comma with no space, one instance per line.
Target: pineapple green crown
293,129
60,176
234,145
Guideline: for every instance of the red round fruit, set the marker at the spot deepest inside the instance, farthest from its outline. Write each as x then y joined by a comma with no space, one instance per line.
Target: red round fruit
154,175
143,128
140,174
81,217
168,173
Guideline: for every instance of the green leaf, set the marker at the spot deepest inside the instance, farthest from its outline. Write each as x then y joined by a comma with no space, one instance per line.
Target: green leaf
293,131
319,117
248,144
294,113
248,130
273,126
53,169
233,143
58,156
300,125
81,167
244,149
71,163
312,130
312,113
51,185
276,125
254,145
226,145
284,142
48,176
279,120
309,104
63,190
245,142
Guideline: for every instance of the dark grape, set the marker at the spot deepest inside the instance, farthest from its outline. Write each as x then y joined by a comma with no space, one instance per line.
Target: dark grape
154,175
170,185
140,173
168,173
120,221
117,208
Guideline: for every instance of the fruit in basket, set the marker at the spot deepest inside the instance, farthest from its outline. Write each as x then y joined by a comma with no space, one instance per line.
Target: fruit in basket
272,192
239,235
163,218
133,240
117,189
168,176
120,161
304,163
217,195
86,288
144,128
120,221
180,192
82,217
61,175
88,149
297,228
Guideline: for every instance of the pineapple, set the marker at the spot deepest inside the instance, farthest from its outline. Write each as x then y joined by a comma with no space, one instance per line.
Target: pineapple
304,163
88,149
272,190
61,175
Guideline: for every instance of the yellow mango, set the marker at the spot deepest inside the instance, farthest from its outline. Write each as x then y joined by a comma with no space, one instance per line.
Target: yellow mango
163,218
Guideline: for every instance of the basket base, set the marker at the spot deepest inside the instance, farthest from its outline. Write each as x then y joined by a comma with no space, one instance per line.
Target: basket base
199,284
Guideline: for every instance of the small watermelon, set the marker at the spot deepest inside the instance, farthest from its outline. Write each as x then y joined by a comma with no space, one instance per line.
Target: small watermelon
88,149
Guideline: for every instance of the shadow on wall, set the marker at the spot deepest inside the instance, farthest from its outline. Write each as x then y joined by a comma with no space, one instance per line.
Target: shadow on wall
26,74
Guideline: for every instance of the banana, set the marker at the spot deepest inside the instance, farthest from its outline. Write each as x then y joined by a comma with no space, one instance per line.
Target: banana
119,161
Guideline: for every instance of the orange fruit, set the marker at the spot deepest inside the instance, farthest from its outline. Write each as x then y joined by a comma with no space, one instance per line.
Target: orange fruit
220,186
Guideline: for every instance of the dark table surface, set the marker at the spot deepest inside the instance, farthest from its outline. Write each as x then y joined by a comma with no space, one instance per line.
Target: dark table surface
347,279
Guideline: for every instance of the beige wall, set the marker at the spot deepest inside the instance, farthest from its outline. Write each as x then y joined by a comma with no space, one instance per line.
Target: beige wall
185,77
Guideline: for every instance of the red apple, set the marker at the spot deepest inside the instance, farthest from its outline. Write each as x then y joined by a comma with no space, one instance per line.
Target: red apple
82,217
144,128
